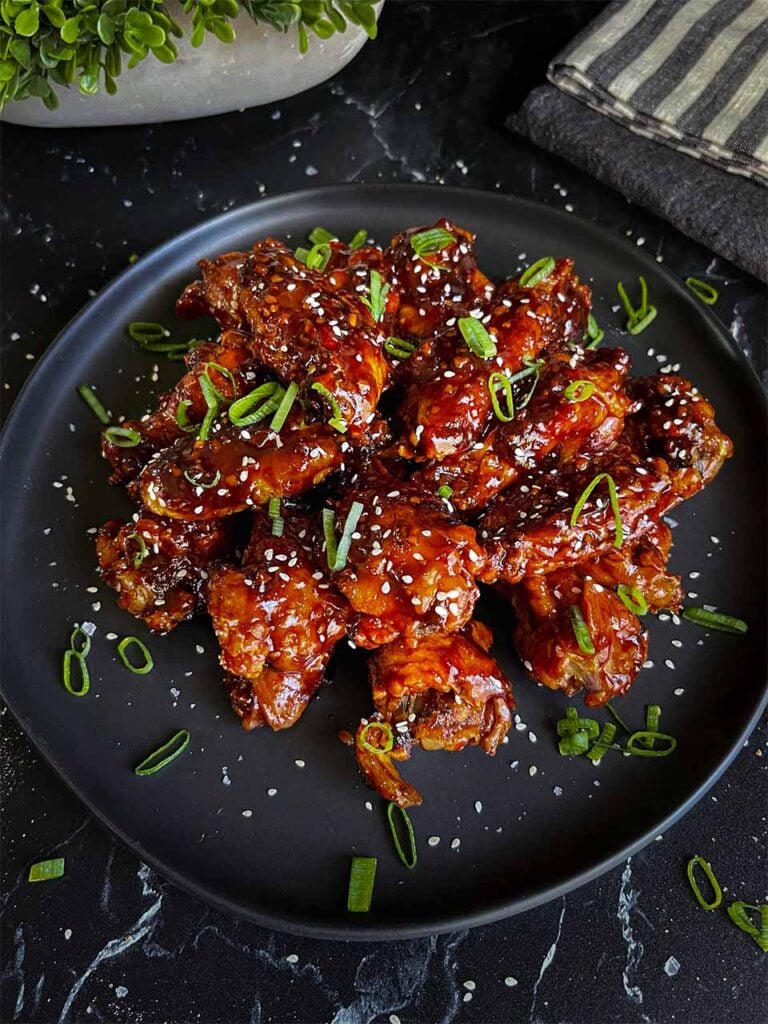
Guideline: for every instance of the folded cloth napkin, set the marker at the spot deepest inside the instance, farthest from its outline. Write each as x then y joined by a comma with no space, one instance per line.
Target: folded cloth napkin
692,74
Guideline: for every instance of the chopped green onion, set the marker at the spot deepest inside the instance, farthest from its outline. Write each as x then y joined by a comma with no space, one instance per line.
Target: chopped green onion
319,256
385,728
88,395
572,723
706,292
632,599
358,240
362,875
410,860
444,491
273,507
256,405
637,319
636,744
531,370
143,551
85,678
706,867
399,348
198,481
579,391
319,236
211,396
581,630
278,523
45,870
499,381
337,554
181,416
619,719
431,241
301,254
594,332
145,333
286,403
652,717
619,539
79,635
225,373
639,325
737,912
336,421
603,744
537,272
122,648
169,751
477,337
330,537
376,303
715,620
123,437
573,744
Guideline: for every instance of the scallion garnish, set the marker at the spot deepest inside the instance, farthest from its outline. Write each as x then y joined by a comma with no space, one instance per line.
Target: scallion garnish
706,867
286,403
211,396
142,552
88,395
581,630
378,727
79,636
169,751
500,382
319,256
358,240
45,870
146,333
477,337
431,242
574,743
181,416
278,523
652,717
301,254
619,719
122,650
632,599
737,912
715,620
336,421
703,290
337,553
123,437
603,744
579,391
575,733
319,236
410,860
399,348
362,875
594,332
378,292
537,272
256,405
197,481
225,373
85,678
642,744
614,499
637,319
444,491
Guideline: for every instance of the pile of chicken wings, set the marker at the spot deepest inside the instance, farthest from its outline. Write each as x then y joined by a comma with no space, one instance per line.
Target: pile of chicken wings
396,424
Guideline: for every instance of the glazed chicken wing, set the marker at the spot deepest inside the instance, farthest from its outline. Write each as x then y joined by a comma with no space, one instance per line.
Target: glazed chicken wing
277,620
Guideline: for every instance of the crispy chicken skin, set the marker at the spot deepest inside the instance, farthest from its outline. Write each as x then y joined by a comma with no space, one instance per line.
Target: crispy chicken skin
277,620
443,692
412,568
159,567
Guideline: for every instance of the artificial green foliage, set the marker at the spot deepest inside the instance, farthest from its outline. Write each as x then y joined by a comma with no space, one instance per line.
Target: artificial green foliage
86,42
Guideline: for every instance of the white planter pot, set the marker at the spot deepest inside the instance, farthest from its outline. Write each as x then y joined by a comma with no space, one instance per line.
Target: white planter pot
261,66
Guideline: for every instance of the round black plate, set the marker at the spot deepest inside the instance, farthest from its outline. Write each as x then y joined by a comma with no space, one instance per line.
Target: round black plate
531,824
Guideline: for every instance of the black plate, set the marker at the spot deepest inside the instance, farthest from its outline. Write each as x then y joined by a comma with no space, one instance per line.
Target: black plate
286,864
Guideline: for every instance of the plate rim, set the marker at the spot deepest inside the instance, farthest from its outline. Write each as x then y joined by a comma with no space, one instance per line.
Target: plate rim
361,931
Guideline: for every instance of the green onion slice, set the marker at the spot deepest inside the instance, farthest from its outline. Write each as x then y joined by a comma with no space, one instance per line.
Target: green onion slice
444,491
45,870
652,717
337,553
225,373
319,236
122,649
330,537
211,396
603,744
431,242
632,599
500,382
142,552
199,482
410,860
301,254
639,325
278,523
594,332
399,348
703,290
169,751
362,875
611,483
336,421
619,719
319,256
123,437
383,727
85,678
358,240
579,391
636,744
637,319
537,272
477,337
256,405
376,302
286,403
706,867
88,395
581,630
181,416
146,333
572,723
79,636
737,912
574,743
715,620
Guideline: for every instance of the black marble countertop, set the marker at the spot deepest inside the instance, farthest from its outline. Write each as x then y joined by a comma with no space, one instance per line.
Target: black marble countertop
426,102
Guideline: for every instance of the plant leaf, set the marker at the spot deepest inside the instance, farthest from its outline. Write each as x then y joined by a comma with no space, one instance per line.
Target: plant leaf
28,22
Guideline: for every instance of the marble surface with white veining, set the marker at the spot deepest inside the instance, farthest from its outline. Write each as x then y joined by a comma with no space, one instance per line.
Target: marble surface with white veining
111,941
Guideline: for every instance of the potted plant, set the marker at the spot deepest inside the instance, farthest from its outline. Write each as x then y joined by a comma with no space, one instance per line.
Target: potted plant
61,60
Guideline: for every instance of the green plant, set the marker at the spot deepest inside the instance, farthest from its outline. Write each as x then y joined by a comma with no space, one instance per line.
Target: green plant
44,43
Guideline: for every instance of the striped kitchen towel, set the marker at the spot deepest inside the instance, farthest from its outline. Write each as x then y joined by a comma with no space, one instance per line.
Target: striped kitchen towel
692,74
